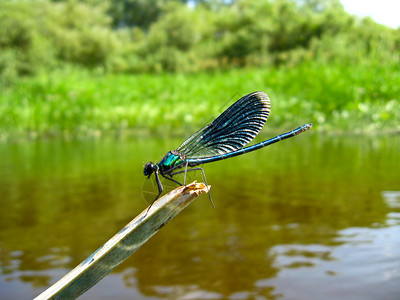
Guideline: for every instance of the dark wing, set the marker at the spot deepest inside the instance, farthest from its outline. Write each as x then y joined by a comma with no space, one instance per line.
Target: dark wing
232,130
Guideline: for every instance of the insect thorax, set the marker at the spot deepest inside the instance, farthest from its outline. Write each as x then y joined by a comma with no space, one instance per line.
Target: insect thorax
172,160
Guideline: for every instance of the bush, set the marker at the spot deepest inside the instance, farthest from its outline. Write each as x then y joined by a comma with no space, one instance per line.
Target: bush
171,36
23,50
35,35
80,33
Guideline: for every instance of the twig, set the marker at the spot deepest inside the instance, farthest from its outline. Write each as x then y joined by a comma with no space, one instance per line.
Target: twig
123,244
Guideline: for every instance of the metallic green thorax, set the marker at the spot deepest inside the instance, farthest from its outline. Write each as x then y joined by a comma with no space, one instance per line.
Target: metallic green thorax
172,160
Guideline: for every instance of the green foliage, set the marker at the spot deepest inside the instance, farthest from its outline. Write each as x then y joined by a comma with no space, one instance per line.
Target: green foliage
81,103
35,35
141,13
170,38
155,36
318,63
23,51
79,33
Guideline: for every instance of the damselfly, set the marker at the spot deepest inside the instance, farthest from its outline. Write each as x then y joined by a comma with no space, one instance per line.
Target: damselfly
223,138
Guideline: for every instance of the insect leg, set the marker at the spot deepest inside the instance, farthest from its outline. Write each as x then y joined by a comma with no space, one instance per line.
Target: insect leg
160,190
204,177
169,178
184,178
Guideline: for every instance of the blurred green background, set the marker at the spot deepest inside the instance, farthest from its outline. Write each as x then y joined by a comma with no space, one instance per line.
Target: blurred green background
94,67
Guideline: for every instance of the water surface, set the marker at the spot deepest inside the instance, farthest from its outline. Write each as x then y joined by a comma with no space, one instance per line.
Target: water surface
307,218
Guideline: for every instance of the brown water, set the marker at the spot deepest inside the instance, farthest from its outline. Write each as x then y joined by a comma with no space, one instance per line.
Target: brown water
307,218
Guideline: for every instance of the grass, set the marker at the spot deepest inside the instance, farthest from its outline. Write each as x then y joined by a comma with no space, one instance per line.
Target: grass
79,103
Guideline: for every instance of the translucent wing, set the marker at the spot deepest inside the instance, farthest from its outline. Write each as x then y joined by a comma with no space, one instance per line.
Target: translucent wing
232,130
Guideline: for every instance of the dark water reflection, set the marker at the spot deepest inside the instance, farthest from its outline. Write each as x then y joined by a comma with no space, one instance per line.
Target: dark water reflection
308,218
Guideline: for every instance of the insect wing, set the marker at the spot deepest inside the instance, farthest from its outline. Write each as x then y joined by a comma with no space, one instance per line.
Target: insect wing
232,130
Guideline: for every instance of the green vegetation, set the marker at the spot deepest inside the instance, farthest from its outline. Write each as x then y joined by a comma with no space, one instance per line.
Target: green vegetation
83,68
81,103
136,36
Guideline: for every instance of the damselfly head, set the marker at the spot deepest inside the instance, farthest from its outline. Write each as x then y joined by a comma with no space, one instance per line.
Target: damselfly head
148,169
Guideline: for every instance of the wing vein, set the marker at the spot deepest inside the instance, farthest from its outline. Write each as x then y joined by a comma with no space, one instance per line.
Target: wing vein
232,130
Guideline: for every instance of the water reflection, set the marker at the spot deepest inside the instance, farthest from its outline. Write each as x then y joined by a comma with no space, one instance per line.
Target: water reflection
306,218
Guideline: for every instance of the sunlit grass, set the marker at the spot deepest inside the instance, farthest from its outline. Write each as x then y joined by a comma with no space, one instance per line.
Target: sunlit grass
81,103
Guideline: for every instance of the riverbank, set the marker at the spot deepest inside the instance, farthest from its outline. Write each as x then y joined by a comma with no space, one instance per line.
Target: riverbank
79,103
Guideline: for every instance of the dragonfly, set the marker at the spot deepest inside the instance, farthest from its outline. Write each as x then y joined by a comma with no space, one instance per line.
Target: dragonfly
223,138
